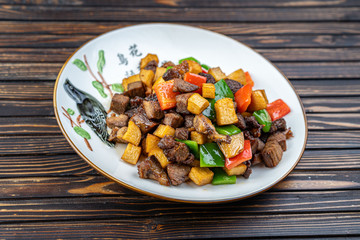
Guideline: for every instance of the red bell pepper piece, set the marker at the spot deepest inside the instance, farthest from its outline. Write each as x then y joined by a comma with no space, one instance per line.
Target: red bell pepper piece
165,94
196,80
245,155
249,79
277,109
243,98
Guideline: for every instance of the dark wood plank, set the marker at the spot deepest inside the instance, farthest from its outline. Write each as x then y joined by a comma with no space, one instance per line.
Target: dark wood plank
91,28
331,104
135,206
333,121
293,70
188,3
26,108
333,139
50,55
95,185
40,90
72,13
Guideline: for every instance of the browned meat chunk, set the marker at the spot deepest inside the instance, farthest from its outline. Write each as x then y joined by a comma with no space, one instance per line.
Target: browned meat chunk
182,133
151,97
233,85
189,121
143,122
136,102
278,125
257,145
209,78
241,124
272,153
247,173
253,127
182,68
280,138
153,109
171,74
168,64
178,173
113,134
135,89
203,125
117,121
151,66
248,135
179,153
151,168
167,142
182,103
288,133
252,123
183,86
119,103
257,159
256,132
174,120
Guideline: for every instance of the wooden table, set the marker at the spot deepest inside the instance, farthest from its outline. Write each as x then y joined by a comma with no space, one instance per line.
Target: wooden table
47,191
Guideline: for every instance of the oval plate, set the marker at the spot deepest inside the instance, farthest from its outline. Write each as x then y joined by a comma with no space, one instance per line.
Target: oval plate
122,50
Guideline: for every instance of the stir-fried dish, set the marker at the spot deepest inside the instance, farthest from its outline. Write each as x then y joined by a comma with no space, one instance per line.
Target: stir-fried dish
190,122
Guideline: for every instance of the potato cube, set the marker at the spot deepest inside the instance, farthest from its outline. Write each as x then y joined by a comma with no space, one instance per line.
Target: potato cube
120,133
233,148
197,104
133,134
198,137
146,76
194,67
217,73
148,58
238,76
159,72
151,142
160,156
158,81
201,175
131,79
225,112
238,170
258,101
163,130
132,154
208,90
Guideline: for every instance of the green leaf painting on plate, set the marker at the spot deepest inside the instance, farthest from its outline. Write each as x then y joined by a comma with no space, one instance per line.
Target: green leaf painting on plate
70,111
80,64
117,87
82,132
100,88
101,61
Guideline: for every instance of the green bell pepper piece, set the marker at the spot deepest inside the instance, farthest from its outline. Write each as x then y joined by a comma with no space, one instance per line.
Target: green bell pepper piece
227,129
211,156
189,58
193,146
205,67
263,118
209,112
222,90
169,67
221,177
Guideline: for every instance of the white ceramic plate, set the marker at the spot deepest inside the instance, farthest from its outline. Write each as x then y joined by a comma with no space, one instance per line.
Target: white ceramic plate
123,49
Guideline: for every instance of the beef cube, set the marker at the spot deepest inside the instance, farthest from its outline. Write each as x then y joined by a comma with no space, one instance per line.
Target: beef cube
278,125
189,121
143,122
151,66
247,173
280,138
178,173
209,78
117,121
251,122
151,97
182,103
272,153
168,64
233,85
257,145
179,153
153,109
183,86
167,142
182,133
135,89
171,74
119,103
136,102
150,168
256,132
241,124
248,135
257,159
182,68
174,120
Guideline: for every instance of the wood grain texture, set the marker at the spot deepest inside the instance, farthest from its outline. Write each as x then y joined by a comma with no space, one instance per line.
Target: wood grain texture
188,3
274,54
293,70
72,13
